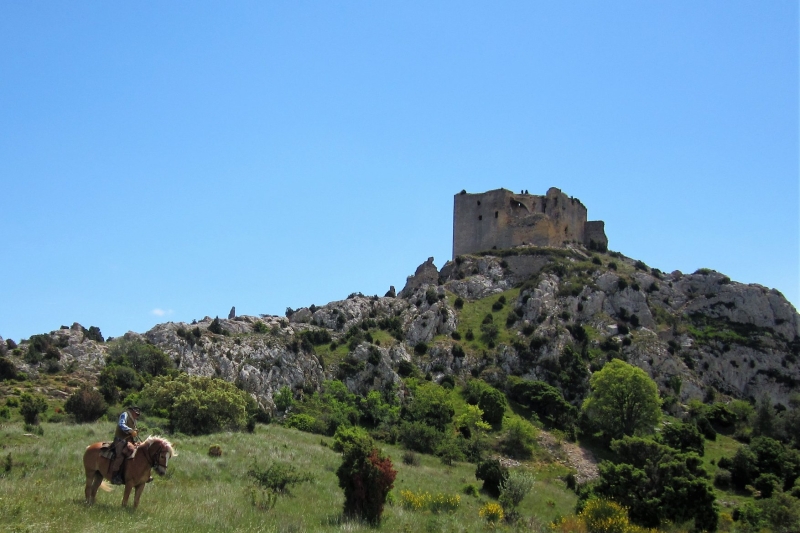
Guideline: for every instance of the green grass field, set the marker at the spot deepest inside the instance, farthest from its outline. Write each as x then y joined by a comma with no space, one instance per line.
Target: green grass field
43,489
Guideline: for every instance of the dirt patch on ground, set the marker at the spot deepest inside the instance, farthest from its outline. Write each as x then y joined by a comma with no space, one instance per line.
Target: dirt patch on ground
571,455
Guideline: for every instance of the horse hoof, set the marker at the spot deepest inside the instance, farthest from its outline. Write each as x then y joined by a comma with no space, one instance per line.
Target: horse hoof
149,480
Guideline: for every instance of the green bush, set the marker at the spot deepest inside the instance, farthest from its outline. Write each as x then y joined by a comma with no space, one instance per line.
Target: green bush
279,477
144,358
519,439
493,475
260,327
31,406
493,403
86,404
302,422
458,303
420,437
420,348
683,437
284,398
197,405
7,369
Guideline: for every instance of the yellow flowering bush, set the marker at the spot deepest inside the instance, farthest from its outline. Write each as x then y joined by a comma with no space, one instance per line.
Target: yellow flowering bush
424,501
599,516
491,512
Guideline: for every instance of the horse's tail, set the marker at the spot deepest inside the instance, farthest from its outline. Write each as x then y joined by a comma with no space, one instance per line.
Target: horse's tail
105,486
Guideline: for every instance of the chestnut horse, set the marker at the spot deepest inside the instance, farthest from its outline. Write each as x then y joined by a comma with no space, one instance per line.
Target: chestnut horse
152,453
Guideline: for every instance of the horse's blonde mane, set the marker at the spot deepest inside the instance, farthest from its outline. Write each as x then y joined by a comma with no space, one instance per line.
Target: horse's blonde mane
151,439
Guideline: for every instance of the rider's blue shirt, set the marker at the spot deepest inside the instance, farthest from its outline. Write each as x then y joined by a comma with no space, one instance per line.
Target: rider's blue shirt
123,423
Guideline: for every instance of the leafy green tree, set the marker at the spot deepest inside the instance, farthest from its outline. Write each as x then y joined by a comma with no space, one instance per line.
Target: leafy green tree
376,411
31,406
450,449
623,400
146,359
431,405
658,484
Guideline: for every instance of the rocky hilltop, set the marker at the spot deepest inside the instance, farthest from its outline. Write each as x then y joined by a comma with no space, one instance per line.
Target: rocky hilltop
554,314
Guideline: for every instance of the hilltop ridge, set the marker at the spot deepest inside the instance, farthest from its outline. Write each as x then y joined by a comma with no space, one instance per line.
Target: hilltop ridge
552,314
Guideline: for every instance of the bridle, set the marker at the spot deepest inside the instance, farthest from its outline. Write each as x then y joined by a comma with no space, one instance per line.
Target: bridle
155,459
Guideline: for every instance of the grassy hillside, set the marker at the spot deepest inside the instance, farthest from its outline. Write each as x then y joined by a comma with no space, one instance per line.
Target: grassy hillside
43,488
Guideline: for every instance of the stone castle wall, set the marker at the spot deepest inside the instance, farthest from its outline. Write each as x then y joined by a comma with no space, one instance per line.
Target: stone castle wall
501,219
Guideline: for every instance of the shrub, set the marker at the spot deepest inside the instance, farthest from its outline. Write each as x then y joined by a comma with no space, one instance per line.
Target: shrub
497,306
459,303
519,439
278,477
215,450
683,437
491,512
284,398
420,437
723,479
216,327
493,403
514,489
366,476
493,475
470,336
7,369
612,265
301,422
197,405
596,260
405,368
31,406
420,348
86,404
410,458
260,327
144,358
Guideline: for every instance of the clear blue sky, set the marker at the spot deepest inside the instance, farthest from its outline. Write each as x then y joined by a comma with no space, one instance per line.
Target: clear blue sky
167,160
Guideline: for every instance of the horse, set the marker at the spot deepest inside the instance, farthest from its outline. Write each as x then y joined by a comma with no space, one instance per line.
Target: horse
152,453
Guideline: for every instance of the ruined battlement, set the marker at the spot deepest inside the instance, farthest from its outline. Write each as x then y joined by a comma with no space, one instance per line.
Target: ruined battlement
501,219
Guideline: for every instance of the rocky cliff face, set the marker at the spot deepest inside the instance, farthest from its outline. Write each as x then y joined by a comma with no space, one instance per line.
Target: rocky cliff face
566,312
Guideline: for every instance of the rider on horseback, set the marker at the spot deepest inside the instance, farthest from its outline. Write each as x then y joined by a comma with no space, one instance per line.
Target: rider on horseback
124,436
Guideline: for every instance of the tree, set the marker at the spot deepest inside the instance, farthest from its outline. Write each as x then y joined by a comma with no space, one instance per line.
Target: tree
623,400
430,405
31,406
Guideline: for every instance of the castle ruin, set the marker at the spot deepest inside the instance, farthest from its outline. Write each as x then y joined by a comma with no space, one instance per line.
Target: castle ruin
501,219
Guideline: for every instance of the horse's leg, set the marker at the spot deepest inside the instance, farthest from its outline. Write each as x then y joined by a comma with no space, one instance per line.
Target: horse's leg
89,491
139,489
98,479
128,487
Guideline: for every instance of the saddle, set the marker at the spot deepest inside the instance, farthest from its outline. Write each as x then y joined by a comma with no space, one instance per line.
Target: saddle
107,450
